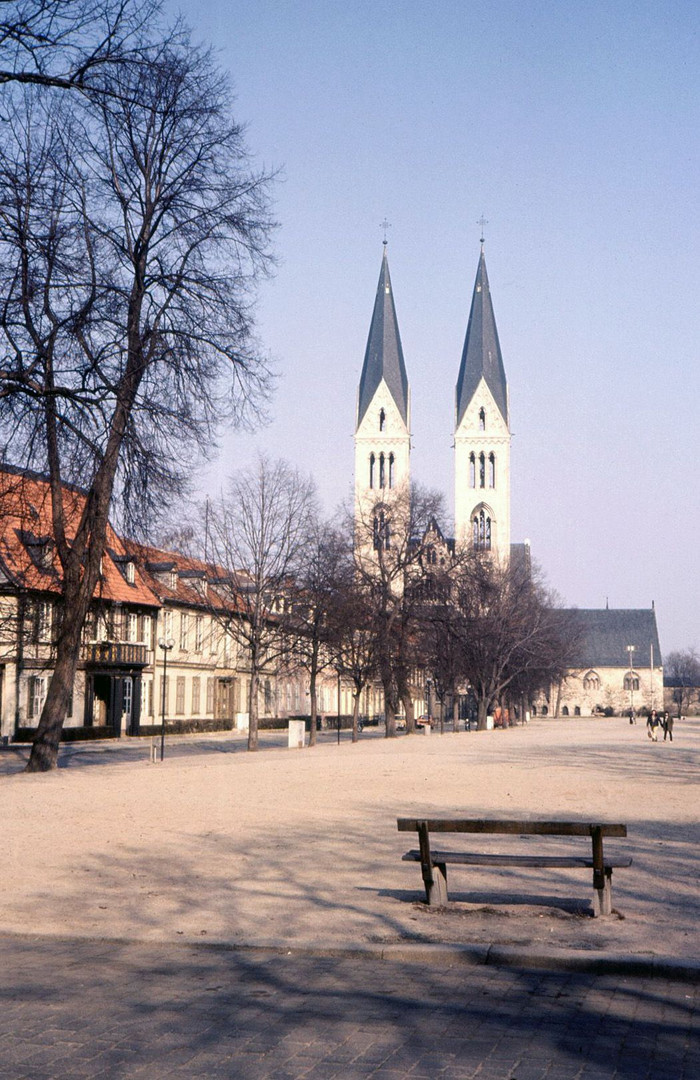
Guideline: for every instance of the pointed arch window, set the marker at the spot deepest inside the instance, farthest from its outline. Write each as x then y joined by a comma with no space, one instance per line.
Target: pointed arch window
382,419
472,471
392,477
631,681
382,475
482,420
381,531
492,470
482,470
371,470
481,530
591,681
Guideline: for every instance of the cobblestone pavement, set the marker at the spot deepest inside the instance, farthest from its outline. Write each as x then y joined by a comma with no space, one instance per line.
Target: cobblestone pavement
86,1009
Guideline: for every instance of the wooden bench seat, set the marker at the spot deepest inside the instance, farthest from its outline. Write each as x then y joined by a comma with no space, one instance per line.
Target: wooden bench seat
434,862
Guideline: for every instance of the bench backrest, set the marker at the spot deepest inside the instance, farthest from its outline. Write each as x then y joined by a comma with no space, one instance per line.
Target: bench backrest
514,828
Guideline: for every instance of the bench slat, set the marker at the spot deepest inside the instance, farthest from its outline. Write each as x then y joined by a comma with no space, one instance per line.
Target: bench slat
477,859
510,827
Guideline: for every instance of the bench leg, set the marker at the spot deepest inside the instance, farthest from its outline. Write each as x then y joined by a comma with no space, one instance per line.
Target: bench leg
602,893
436,890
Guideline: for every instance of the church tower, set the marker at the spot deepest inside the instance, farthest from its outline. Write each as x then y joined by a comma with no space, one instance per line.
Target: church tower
382,437
482,432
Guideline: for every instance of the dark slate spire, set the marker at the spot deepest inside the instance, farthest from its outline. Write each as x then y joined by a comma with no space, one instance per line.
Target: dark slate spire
383,355
482,353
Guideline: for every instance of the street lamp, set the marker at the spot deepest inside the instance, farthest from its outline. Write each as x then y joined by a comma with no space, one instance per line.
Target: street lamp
630,650
166,645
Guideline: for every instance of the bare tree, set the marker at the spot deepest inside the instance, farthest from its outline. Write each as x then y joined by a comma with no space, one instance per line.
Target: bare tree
388,560
72,44
512,636
259,533
316,595
682,670
132,230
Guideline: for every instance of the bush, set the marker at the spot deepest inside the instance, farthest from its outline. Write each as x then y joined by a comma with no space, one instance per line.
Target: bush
185,727
69,734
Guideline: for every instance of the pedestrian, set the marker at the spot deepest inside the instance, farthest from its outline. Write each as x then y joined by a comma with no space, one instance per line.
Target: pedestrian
633,717
653,726
668,726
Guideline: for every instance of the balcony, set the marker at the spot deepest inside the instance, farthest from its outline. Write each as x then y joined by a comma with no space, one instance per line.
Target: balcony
115,654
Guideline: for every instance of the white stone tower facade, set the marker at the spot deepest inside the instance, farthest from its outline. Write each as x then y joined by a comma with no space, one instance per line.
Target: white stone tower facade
482,432
382,431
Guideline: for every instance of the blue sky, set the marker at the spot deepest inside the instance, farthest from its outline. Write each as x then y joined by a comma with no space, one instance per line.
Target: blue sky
573,128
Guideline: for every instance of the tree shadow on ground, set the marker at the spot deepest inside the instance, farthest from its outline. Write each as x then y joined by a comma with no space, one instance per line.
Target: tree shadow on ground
125,1010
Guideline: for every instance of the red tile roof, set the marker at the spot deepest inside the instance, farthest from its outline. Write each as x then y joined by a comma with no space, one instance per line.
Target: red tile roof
25,523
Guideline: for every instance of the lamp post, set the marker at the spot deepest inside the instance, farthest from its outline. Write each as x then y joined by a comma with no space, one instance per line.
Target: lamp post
630,650
166,645
338,708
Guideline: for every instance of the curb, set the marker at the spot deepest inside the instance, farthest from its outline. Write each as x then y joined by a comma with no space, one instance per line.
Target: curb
425,954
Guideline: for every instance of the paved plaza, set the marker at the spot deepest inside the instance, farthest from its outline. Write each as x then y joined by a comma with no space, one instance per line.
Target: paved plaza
83,1010
248,915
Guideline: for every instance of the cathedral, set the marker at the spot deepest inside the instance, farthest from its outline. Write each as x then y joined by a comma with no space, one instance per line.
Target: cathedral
619,666
482,427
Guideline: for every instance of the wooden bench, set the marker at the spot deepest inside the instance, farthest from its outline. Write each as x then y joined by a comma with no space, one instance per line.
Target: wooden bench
434,863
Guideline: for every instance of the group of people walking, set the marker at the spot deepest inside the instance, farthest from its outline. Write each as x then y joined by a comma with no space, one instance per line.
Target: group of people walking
655,721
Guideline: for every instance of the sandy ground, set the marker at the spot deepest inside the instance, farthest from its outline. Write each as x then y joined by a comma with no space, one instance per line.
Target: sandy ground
302,845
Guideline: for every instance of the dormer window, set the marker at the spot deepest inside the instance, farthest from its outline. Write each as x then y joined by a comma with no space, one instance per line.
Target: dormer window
173,579
40,549
382,419
130,573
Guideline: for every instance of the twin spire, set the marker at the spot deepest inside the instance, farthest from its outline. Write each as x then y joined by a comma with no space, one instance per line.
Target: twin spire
383,355
481,355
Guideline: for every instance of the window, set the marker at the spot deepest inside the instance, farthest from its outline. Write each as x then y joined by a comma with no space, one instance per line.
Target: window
164,695
149,697
591,681
391,470
37,695
382,532
631,681
577,710
198,633
184,631
180,696
210,696
481,531
382,480
173,579
44,620
492,470
482,470
130,573
371,470
565,710
482,420
472,471
132,626
382,419
196,684
147,632
168,625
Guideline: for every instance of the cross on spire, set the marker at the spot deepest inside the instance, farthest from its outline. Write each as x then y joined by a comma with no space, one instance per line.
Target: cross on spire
385,225
482,222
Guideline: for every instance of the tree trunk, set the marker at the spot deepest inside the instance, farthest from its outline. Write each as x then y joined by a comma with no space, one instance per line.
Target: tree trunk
407,702
44,754
313,707
253,709
356,713
482,710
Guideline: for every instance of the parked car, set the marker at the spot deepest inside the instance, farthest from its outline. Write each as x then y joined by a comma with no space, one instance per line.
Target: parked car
400,723
425,721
